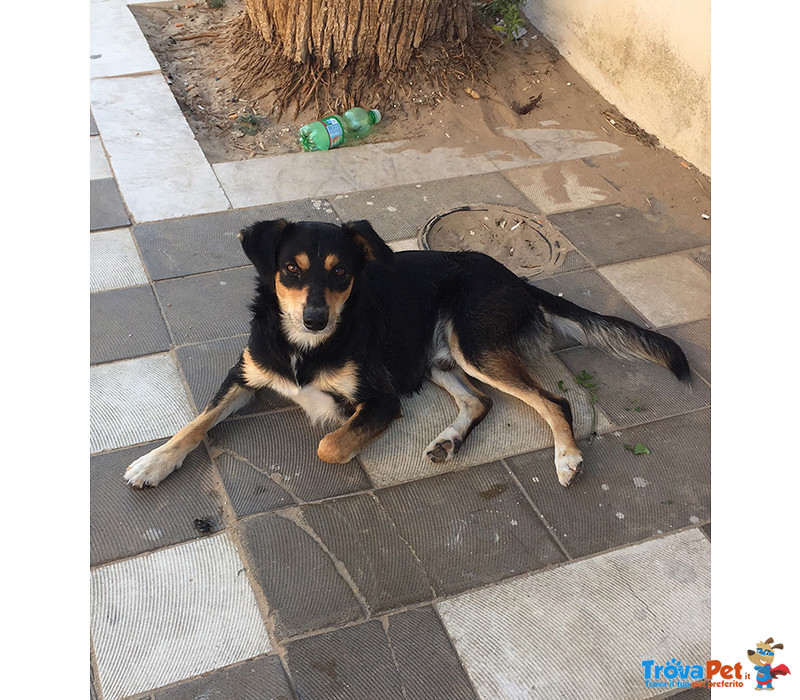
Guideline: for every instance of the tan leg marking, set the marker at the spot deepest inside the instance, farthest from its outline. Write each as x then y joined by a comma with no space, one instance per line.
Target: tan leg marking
156,465
340,446
506,372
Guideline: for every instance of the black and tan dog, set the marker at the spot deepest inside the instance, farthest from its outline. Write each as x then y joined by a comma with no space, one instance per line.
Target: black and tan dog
345,327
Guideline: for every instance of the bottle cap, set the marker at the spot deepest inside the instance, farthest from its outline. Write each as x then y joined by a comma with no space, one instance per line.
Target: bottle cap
376,115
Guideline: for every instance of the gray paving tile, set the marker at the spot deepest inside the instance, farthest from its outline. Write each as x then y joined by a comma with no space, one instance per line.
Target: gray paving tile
707,530
622,497
125,323
126,521
400,212
667,290
602,616
695,339
702,257
135,401
302,585
470,527
106,209
359,534
610,234
281,448
93,130
408,658
630,392
695,694
205,365
250,489
565,186
178,247
114,261
176,613
209,306
257,679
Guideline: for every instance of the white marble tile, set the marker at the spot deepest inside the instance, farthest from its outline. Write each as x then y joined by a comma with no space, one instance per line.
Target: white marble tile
582,631
116,44
173,614
666,290
161,171
350,169
404,244
98,163
550,145
135,401
114,261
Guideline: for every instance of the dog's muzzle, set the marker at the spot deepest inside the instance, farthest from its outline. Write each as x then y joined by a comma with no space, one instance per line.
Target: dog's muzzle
315,318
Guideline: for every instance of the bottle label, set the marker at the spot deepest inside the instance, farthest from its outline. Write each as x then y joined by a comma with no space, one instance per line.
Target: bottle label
334,129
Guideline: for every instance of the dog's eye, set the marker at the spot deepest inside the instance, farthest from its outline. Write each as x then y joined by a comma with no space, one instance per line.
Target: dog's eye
292,269
339,271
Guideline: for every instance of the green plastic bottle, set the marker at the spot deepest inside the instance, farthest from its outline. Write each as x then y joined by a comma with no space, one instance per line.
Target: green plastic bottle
334,131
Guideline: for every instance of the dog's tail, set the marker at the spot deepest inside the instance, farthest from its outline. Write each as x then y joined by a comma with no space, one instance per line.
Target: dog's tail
614,335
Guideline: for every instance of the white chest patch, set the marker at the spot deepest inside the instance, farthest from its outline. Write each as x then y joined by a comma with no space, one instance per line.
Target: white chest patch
320,407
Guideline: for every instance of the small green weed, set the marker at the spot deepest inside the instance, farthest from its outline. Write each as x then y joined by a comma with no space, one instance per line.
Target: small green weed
638,449
249,124
506,16
215,4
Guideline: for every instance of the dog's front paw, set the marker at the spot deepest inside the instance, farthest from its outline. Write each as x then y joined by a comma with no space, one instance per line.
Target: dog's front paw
152,468
333,450
444,447
569,465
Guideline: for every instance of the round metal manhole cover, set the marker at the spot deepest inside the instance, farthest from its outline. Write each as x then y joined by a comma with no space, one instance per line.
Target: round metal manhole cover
526,243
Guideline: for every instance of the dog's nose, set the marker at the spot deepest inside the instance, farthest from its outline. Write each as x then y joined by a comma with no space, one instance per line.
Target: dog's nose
315,318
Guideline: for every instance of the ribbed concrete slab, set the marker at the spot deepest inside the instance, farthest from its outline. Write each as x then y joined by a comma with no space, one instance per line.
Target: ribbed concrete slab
582,631
136,401
93,130
611,234
282,448
359,533
206,365
399,212
98,163
116,44
622,497
250,489
407,658
126,323
114,261
160,168
106,209
563,186
630,392
127,521
256,679
470,528
208,306
302,583
695,339
512,427
291,176
551,145
173,614
205,243
667,290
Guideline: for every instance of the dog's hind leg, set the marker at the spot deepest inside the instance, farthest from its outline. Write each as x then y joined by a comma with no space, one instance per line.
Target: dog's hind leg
472,409
505,370
370,419
156,465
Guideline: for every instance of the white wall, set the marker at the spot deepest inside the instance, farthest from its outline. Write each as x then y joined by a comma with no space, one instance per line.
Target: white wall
650,58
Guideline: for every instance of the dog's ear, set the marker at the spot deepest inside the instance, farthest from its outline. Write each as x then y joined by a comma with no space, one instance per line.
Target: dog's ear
370,243
260,243
777,646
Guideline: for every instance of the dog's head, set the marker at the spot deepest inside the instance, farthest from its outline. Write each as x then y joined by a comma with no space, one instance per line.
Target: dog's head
312,267
764,653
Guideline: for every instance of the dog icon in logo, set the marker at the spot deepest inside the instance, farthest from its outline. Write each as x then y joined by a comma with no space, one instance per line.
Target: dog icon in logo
762,659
